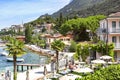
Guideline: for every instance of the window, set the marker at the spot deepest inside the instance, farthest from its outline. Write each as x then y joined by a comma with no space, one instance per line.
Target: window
113,24
119,24
114,39
119,39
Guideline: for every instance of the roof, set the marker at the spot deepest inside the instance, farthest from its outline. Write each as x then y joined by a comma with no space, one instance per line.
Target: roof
20,37
58,36
117,14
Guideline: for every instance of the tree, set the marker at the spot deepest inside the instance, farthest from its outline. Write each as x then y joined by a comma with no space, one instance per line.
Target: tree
72,47
79,26
93,24
101,48
57,45
82,51
15,47
28,34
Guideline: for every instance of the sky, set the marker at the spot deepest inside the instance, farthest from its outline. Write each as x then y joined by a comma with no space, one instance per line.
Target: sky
14,12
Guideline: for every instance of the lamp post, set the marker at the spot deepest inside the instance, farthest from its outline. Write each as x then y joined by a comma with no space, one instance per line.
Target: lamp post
107,37
80,58
89,55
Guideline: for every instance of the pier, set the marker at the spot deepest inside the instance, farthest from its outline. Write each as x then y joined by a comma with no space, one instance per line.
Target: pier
29,66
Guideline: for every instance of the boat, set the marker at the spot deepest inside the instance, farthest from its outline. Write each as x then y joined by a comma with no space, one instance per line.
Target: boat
9,59
4,54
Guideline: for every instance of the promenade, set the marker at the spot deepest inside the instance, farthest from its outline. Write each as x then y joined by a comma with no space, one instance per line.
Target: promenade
34,74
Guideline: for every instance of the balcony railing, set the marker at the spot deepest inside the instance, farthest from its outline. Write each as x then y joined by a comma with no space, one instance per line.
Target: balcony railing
117,45
114,30
110,30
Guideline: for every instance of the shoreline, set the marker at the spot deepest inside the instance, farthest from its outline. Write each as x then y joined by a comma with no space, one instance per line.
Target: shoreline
36,73
40,51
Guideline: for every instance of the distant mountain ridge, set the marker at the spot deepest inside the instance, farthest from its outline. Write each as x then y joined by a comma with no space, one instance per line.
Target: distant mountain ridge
77,5
84,8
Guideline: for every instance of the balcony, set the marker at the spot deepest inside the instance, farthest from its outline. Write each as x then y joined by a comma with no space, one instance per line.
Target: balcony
114,30
117,45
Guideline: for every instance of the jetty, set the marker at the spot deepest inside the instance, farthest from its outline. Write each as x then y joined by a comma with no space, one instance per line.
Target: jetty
29,66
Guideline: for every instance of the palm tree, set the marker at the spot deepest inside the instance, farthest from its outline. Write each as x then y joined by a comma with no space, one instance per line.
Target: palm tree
15,48
57,45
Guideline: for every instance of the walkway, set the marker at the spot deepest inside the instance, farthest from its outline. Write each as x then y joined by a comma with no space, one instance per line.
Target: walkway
34,74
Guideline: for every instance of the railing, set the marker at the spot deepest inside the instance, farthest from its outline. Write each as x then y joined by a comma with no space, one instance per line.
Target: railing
117,45
114,30
110,30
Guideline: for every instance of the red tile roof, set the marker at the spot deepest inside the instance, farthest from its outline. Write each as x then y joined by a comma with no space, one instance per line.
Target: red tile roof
117,14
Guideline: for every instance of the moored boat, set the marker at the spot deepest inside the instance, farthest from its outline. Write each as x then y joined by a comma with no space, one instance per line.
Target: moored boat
9,59
4,54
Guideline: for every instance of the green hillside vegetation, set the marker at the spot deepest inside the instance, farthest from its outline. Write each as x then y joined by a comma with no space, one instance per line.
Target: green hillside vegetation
77,5
105,8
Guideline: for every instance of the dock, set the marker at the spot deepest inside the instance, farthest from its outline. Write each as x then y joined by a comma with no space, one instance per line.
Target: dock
29,66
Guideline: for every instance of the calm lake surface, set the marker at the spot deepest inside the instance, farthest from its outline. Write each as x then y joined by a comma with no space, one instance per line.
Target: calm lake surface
29,57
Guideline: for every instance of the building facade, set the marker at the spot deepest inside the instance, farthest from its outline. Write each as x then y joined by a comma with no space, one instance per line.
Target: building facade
109,31
65,39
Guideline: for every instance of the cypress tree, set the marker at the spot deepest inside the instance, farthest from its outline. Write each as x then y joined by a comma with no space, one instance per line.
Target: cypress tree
28,34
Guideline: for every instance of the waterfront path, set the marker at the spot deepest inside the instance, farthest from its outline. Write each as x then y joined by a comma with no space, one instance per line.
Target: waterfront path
34,74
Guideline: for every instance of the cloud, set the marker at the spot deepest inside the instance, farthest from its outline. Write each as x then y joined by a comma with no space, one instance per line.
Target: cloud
14,11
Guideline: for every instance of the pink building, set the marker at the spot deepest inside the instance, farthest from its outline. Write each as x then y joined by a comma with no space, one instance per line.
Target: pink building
112,25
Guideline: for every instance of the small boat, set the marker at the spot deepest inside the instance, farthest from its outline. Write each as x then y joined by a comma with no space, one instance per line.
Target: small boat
9,59
4,54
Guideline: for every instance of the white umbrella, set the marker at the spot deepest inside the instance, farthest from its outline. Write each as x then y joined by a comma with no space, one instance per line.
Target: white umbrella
98,61
105,57
83,70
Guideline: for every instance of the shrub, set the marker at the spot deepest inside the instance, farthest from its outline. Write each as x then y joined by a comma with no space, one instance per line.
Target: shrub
109,73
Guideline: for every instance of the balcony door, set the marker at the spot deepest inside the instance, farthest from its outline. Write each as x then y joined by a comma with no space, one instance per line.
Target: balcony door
114,40
113,26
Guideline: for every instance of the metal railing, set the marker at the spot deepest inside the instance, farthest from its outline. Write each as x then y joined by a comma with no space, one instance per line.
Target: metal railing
117,45
114,30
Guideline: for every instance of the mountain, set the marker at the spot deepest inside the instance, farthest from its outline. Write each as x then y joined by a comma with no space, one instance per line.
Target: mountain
77,5
83,8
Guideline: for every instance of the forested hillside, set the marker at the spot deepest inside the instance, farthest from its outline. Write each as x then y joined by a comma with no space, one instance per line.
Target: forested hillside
77,5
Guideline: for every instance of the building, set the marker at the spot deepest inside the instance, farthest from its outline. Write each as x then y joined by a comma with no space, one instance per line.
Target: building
45,27
21,38
109,31
50,38
17,28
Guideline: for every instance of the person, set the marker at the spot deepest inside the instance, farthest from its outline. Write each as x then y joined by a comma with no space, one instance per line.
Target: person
72,66
8,75
45,72
27,75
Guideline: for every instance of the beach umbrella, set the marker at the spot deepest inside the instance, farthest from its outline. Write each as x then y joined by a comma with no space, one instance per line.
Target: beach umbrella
98,61
105,57
83,70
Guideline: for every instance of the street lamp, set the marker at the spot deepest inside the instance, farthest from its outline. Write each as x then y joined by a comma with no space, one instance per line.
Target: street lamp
107,38
80,58
89,55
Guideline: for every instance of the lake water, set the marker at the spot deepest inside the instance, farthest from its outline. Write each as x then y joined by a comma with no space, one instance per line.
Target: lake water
29,57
